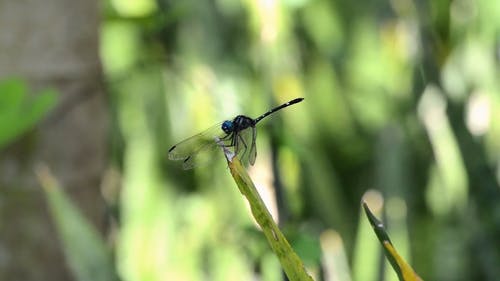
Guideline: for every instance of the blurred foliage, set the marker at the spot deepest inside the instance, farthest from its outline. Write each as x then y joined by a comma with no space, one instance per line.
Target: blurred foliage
400,96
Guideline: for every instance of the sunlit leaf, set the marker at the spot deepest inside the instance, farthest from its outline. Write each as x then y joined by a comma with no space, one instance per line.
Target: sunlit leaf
403,270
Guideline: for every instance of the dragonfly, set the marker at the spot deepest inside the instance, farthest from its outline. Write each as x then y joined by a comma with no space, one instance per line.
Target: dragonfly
238,134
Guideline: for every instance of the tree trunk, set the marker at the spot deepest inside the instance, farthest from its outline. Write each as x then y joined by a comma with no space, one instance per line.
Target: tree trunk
50,43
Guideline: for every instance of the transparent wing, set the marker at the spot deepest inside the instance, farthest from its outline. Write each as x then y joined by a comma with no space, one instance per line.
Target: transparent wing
245,145
202,157
253,149
199,148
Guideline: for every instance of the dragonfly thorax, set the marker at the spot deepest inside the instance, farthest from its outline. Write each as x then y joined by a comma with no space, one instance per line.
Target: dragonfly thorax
239,123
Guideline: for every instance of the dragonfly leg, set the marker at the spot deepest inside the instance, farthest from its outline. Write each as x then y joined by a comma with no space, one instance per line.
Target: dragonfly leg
233,139
226,137
242,140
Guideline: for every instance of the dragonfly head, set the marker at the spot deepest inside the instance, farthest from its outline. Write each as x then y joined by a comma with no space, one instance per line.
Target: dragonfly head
227,127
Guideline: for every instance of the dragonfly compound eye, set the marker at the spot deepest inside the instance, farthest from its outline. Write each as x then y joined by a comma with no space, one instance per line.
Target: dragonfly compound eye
227,126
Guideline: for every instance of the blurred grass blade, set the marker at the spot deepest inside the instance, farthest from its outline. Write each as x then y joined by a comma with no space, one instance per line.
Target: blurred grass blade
291,263
334,258
367,253
403,269
85,252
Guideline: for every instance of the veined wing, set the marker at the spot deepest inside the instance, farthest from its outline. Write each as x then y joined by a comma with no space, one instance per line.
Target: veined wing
245,145
190,145
199,148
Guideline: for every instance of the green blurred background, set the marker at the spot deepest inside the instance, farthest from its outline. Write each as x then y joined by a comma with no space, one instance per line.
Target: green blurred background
401,109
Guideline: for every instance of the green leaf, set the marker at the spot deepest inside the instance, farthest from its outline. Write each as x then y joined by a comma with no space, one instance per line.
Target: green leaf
291,263
20,112
85,251
402,268
12,92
